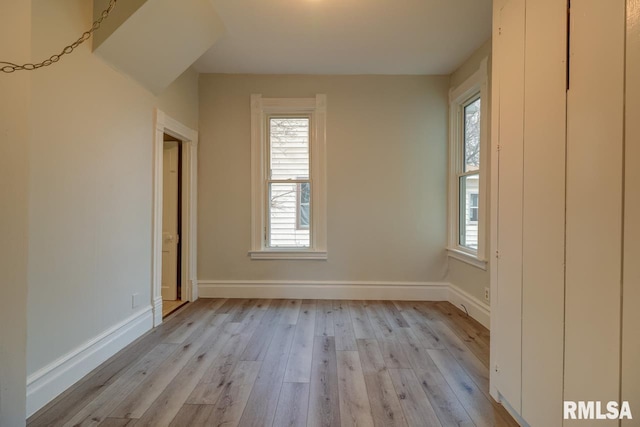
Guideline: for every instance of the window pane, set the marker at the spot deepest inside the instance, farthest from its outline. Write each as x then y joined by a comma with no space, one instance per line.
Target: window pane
472,136
304,199
468,214
289,147
286,212
473,207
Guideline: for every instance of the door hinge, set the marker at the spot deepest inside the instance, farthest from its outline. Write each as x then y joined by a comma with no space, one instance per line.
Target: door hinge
497,255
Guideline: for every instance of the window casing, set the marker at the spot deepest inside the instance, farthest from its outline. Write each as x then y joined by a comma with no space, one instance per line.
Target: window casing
288,147
468,163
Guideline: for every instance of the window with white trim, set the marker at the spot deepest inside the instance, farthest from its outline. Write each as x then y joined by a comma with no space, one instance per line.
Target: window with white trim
467,166
288,178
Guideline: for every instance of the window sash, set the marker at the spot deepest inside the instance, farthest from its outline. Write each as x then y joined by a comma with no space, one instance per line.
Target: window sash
473,207
463,209
268,181
462,137
461,173
267,158
268,213
301,205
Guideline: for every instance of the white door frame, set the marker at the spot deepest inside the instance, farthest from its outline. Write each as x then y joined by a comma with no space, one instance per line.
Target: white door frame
189,283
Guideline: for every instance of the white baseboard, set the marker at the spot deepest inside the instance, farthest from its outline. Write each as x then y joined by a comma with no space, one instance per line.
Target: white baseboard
431,291
157,311
512,411
476,308
48,382
407,291
194,290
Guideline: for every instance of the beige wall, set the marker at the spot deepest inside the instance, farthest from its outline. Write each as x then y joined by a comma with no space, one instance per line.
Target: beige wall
90,187
468,277
386,139
465,276
180,100
14,173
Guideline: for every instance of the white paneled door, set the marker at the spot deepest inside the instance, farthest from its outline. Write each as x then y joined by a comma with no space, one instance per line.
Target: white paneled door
170,236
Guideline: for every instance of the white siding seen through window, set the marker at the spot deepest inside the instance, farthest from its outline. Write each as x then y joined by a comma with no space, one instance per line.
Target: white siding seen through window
289,176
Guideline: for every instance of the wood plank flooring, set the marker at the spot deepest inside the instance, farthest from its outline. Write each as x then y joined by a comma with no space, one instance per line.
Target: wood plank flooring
249,362
169,306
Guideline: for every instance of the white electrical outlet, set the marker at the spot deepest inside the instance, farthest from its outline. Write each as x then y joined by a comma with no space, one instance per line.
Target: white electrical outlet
135,300
486,294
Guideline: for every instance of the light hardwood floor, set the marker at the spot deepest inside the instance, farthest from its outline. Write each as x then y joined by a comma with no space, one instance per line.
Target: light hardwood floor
169,306
247,362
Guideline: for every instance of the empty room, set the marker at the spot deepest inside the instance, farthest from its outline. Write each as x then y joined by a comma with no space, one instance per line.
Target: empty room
320,213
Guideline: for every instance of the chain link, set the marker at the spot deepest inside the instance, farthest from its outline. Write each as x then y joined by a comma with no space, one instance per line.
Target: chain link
8,67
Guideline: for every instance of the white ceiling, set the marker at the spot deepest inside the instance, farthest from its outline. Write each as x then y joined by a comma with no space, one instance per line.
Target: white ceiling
347,36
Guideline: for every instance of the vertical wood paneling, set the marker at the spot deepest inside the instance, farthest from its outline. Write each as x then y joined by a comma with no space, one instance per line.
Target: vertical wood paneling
562,189
543,212
631,272
493,193
594,202
509,63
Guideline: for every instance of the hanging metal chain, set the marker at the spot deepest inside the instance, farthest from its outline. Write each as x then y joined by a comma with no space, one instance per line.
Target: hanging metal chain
9,67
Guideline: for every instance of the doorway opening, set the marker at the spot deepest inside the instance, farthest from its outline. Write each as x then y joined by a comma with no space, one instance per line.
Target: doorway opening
173,280
172,231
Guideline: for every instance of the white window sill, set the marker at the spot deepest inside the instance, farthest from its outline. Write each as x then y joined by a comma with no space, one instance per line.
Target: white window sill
466,257
288,255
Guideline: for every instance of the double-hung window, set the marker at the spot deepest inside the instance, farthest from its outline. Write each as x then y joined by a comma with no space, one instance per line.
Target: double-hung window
288,178
467,166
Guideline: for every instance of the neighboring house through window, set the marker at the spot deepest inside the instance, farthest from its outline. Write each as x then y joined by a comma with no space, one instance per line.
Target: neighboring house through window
288,178
469,172
473,207
303,202
288,149
467,166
